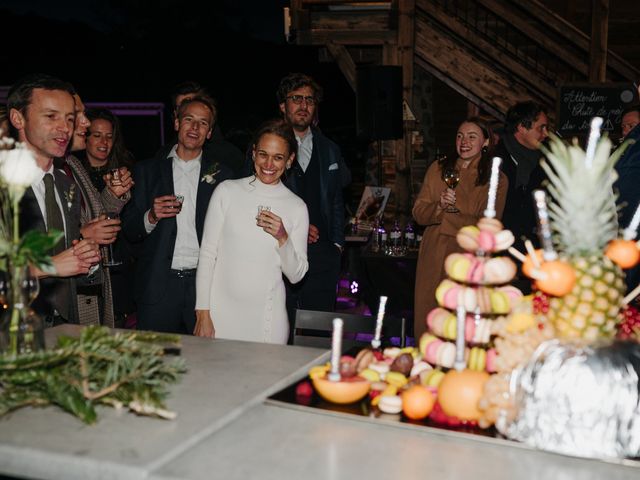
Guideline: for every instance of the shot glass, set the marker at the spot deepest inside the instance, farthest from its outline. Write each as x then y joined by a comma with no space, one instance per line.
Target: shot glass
115,177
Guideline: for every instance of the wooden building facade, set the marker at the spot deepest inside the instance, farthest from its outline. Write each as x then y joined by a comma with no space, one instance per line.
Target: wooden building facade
461,57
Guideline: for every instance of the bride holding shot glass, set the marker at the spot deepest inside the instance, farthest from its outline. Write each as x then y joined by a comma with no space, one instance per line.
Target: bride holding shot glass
255,231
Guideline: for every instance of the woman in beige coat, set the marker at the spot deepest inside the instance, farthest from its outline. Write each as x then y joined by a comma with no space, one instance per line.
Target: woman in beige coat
435,205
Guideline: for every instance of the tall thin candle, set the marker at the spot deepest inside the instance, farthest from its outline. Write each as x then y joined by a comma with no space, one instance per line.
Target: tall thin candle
375,343
461,318
549,254
594,135
336,350
490,212
631,231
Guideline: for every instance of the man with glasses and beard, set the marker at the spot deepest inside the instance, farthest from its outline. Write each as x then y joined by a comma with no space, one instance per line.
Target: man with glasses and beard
317,176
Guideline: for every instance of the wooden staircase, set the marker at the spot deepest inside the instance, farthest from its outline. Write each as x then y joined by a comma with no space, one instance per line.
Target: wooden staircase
497,52
493,52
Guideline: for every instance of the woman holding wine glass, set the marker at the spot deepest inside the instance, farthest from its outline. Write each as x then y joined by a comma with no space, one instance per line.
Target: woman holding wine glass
255,232
453,194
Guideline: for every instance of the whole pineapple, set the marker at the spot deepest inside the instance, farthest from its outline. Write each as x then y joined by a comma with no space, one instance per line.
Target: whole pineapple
584,219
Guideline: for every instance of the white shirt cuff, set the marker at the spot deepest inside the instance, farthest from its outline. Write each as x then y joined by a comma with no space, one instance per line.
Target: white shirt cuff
148,226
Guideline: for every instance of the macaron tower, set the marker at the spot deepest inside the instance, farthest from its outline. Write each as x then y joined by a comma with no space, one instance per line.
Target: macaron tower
478,281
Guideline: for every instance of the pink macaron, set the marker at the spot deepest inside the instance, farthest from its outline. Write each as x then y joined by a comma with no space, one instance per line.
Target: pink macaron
492,355
450,298
486,241
431,354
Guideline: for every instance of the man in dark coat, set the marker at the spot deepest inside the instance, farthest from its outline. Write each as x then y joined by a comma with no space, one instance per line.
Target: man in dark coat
42,111
628,169
525,129
316,177
167,213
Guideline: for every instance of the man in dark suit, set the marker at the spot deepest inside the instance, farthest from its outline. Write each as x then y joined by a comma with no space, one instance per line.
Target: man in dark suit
167,213
216,146
626,186
316,177
526,127
42,111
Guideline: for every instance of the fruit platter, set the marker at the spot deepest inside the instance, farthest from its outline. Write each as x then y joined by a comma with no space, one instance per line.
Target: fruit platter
557,370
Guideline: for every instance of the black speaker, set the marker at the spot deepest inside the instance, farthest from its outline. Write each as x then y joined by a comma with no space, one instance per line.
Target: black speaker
379,102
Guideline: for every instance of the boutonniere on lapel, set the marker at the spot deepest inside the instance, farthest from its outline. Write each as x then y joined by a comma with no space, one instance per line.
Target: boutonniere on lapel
210,175
69,195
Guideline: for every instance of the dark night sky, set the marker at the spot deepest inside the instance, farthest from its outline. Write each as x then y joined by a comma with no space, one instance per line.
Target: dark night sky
132,50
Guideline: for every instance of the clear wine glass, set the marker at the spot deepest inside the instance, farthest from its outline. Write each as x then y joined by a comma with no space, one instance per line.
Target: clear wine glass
108,252
451,177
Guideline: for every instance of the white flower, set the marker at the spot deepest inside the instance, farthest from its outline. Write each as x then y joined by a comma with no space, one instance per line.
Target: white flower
209,178
18,168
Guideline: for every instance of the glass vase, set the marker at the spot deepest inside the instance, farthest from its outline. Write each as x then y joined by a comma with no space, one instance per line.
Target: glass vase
21,329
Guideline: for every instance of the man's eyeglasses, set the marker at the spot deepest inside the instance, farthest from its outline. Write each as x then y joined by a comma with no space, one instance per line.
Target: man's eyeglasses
297,99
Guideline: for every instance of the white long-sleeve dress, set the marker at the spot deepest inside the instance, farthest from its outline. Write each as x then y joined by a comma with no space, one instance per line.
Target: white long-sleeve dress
239,277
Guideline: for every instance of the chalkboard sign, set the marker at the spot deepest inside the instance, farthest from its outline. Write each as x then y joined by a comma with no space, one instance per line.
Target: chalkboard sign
579,103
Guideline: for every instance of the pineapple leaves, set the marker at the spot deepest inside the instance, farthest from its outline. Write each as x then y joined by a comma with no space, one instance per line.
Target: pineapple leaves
582,205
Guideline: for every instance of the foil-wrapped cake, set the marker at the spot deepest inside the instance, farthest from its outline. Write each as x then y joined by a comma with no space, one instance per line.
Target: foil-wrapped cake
578,399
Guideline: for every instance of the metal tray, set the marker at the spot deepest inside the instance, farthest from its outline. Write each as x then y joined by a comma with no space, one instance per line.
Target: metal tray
362,411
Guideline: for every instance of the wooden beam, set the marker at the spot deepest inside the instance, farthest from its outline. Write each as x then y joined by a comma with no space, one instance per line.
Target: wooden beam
497,56
599,38
406,40
355,21
345,62
322,37
466,93
573,34
473,110
464,72
365,3
404,152
360,54
536,35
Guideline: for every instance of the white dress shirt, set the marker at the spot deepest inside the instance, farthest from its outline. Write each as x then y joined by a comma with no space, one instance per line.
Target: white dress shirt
305,149
39,191
186,176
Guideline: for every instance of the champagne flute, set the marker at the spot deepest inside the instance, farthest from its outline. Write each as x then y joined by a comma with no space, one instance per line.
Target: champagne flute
451,177
109,259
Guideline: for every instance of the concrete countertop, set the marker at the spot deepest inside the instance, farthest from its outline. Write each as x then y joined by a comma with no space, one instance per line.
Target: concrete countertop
225,379
225,430
271,442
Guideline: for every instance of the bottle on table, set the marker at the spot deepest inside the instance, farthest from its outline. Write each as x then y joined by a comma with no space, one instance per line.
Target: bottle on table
380,236
409,236
395,236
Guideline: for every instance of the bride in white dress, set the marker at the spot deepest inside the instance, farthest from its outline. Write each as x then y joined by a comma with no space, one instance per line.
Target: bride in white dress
240,293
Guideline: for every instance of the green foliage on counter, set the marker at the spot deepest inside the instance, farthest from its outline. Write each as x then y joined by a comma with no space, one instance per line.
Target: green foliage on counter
98,368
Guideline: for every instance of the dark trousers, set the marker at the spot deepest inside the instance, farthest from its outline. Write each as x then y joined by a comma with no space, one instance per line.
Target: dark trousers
317,290
175,312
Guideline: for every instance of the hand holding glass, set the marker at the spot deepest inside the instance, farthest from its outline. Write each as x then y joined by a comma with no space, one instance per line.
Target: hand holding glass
261,208
115,177
451,177
180,200
108,253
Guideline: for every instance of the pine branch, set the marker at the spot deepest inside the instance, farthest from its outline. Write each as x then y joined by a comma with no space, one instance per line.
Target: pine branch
125,369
